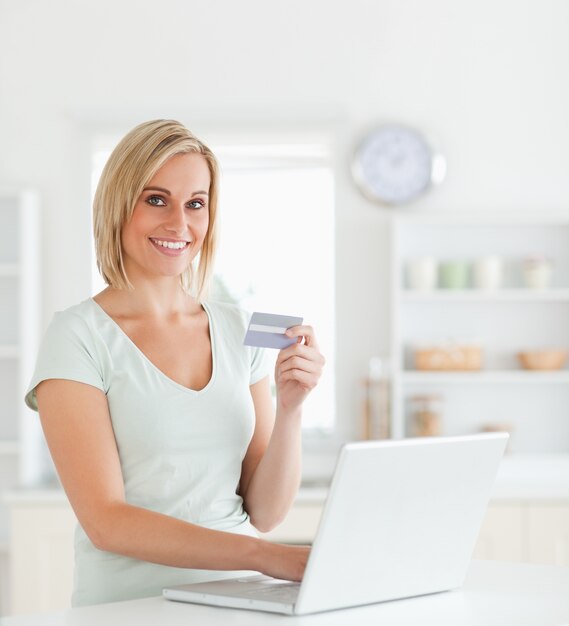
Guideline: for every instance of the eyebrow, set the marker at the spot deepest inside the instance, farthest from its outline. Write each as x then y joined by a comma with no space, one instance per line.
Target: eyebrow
165,191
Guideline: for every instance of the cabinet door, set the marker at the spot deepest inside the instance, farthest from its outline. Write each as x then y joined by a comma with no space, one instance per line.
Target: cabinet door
41,561
548,529
501,536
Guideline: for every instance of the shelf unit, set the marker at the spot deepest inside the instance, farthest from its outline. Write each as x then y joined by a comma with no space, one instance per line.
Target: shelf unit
20,431
479,295
498,377
533,404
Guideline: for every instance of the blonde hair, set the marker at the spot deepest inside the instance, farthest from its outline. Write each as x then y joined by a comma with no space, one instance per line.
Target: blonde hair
134,161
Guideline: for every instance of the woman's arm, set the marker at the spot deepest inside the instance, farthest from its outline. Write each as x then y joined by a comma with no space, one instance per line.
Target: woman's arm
270,472
77,426
272,466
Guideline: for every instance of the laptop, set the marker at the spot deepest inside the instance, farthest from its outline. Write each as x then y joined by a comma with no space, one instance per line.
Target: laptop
401,519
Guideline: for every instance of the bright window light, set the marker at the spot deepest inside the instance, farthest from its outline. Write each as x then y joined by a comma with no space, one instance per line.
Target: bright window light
276,252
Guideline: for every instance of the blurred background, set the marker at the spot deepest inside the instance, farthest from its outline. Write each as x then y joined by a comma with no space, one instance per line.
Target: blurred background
421,308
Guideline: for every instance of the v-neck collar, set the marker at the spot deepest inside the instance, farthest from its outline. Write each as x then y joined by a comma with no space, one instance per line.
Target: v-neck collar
205,307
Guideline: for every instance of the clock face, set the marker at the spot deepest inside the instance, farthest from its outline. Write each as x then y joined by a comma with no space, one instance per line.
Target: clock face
394,164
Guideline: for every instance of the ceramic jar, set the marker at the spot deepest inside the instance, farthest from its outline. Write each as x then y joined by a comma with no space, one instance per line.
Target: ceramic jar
537,271
422,273
487,272
455,274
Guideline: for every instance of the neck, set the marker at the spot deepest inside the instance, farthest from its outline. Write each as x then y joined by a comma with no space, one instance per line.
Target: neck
160,299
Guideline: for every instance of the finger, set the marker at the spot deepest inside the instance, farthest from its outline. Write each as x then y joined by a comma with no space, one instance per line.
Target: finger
307,352
305,333
297,362
306,379
295,349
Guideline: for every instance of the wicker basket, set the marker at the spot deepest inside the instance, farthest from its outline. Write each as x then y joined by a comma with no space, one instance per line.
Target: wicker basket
543,359
453,358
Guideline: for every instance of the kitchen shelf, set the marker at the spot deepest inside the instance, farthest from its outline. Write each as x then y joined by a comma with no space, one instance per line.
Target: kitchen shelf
498,295
533,405
20,428
498,377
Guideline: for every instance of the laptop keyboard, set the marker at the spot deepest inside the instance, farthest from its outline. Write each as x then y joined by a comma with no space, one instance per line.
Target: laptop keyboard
283,592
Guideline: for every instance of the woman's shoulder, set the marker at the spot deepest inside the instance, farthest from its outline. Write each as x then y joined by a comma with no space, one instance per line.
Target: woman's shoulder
81,309
81,312
78,319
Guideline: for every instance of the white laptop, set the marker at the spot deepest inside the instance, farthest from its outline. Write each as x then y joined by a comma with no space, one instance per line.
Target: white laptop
401,519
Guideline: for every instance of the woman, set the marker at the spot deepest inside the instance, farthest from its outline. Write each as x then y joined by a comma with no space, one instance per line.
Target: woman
159,420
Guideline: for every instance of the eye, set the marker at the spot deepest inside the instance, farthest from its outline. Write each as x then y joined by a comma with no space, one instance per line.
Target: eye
155,201
196,204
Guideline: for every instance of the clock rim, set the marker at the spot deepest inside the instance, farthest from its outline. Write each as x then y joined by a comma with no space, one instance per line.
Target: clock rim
437,162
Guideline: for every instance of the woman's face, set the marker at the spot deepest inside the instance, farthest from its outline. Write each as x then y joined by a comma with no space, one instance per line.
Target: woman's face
170,219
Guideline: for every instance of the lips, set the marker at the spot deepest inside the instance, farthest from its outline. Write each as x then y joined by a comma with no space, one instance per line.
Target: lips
170,247
170,244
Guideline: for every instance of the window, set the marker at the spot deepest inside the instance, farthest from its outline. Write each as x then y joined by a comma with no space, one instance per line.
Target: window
276,251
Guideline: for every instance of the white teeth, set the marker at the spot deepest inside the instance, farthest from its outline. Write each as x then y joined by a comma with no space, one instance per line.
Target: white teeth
173,245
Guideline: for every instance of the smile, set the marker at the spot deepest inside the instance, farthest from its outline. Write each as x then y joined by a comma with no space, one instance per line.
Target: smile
172,245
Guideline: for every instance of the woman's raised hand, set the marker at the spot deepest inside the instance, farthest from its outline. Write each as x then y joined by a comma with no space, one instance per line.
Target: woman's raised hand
298,369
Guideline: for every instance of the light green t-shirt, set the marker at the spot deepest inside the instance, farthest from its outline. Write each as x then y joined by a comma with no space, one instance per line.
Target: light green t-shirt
180,450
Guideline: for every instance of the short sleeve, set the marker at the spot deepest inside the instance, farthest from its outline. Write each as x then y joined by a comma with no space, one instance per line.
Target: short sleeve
68,351
260,365
260,361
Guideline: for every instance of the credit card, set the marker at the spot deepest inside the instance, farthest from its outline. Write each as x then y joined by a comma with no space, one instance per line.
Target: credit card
267,330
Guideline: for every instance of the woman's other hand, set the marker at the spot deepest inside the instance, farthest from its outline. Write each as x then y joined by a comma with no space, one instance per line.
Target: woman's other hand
298,369
286,562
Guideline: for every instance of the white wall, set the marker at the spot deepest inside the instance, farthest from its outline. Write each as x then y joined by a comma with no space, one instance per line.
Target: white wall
487,79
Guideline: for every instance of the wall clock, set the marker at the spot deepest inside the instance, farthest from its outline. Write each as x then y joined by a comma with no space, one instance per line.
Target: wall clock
394,165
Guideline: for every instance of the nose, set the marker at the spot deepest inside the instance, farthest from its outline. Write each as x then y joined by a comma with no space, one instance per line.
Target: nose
177,222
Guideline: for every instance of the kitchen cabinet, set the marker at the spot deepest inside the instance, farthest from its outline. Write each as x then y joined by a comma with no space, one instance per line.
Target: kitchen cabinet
502,536
41,570
548,529
41,555
515,315
20,430
519,531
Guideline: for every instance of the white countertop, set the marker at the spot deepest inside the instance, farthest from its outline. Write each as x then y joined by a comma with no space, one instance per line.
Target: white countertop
494,594
532,477
520,477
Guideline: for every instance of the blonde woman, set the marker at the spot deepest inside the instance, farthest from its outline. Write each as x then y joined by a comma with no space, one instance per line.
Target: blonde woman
160,422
